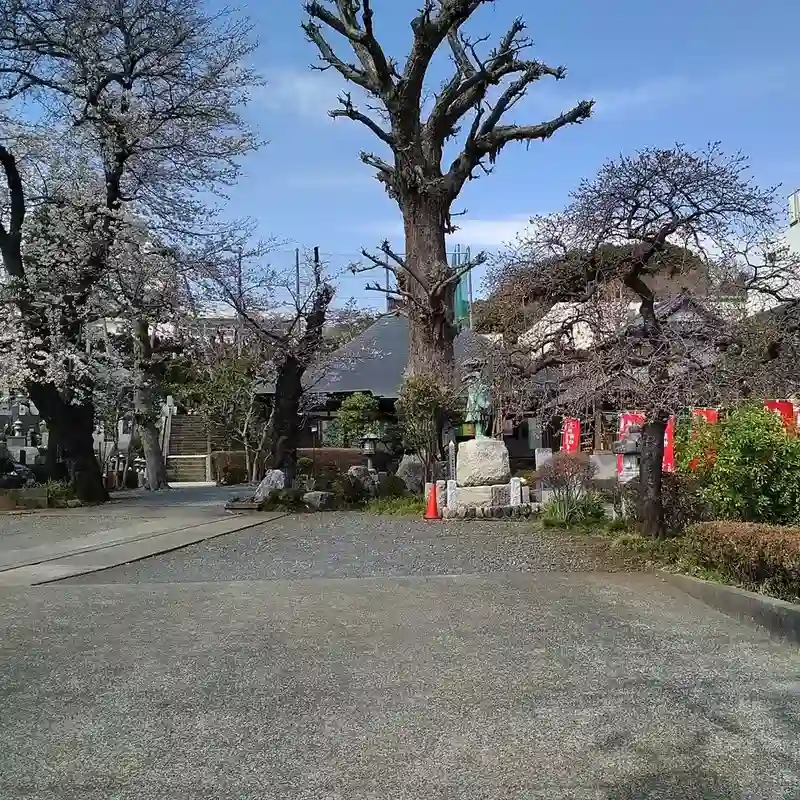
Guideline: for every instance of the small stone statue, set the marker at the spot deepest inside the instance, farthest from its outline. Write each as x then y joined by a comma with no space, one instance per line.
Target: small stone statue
478,403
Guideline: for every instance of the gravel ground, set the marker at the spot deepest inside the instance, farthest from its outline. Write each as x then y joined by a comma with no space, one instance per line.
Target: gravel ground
524,686
353,545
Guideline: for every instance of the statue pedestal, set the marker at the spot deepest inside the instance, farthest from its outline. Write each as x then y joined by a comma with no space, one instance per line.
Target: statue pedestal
482,462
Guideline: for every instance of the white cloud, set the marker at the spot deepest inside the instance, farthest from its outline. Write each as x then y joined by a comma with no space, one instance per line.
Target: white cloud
307,93
355,179
489,233
658,93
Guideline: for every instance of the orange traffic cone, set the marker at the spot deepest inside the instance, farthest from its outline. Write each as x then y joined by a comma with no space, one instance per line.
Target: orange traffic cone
432,509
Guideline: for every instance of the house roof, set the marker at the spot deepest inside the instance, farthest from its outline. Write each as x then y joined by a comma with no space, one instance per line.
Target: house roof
375,361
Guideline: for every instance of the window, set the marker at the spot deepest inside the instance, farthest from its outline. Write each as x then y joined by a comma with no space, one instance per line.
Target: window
794,208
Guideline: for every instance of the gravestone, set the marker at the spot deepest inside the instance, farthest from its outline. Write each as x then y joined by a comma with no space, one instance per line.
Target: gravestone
516,492
451,493
543,456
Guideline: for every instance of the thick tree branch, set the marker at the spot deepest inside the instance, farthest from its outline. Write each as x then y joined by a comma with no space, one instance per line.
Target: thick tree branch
16,195
351,112
376,72
430,30
486,141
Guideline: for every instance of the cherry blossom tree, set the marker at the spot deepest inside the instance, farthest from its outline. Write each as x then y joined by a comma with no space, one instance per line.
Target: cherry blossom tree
150,93
146,294
285,315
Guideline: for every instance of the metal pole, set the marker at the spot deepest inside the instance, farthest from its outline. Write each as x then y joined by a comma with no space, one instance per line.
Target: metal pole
469,289
297,272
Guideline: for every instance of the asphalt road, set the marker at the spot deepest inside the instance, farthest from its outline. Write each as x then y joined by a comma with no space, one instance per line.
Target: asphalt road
349,658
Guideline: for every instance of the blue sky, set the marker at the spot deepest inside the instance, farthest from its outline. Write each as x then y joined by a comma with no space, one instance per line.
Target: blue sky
683,71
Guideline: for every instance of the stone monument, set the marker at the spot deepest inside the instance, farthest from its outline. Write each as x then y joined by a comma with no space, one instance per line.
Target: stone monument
483,486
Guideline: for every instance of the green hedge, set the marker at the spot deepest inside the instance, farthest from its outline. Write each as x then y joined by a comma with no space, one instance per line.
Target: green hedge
762,558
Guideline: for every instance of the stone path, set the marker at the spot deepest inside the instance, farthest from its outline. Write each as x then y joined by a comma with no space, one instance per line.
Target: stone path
40,547
344,656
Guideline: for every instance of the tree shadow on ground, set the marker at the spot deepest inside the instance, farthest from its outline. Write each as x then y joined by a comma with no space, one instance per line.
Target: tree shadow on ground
698,784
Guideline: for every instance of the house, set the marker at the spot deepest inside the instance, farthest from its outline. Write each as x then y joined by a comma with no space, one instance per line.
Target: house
373,362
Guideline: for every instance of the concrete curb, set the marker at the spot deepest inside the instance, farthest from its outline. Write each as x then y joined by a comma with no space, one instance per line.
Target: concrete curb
778,617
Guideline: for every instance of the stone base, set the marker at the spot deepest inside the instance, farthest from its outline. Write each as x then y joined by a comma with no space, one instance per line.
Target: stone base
524,510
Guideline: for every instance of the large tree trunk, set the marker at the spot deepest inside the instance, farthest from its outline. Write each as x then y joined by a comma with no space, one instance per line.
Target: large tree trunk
153,455
651,505
431,328
144,412
283,427
72,427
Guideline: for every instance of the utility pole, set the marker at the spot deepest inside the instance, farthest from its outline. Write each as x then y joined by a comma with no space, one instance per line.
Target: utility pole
297,274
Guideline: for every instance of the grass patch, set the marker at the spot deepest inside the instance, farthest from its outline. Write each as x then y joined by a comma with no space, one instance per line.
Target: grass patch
396,506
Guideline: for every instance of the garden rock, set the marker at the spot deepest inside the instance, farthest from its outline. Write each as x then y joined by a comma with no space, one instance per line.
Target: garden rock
412,472
274,481
319,501
482,462
364,477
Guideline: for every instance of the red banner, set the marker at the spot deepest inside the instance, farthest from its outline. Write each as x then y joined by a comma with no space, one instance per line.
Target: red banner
626,419
571,435
668,463
784,409
709,415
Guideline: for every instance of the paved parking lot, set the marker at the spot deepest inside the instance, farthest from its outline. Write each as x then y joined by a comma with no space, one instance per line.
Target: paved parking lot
345,656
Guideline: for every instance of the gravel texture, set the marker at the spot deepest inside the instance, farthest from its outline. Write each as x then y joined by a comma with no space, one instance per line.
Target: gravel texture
545,686
354,545
352,657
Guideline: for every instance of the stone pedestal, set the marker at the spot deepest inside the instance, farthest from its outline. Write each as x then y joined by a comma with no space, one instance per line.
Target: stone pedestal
482,462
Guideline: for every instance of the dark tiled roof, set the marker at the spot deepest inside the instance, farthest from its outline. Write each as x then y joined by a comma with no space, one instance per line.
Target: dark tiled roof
376,360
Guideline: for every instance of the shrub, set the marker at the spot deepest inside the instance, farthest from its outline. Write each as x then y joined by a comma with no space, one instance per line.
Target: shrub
305,465
581,509
342,458
286,500
763,558
755,473
349,493
566,474
58,493
390,486
232,475
422,410
229,467
357,416
682,497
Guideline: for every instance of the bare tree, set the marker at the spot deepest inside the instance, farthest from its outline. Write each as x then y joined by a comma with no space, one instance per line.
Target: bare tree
150,91
286,315
479,95
660,212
